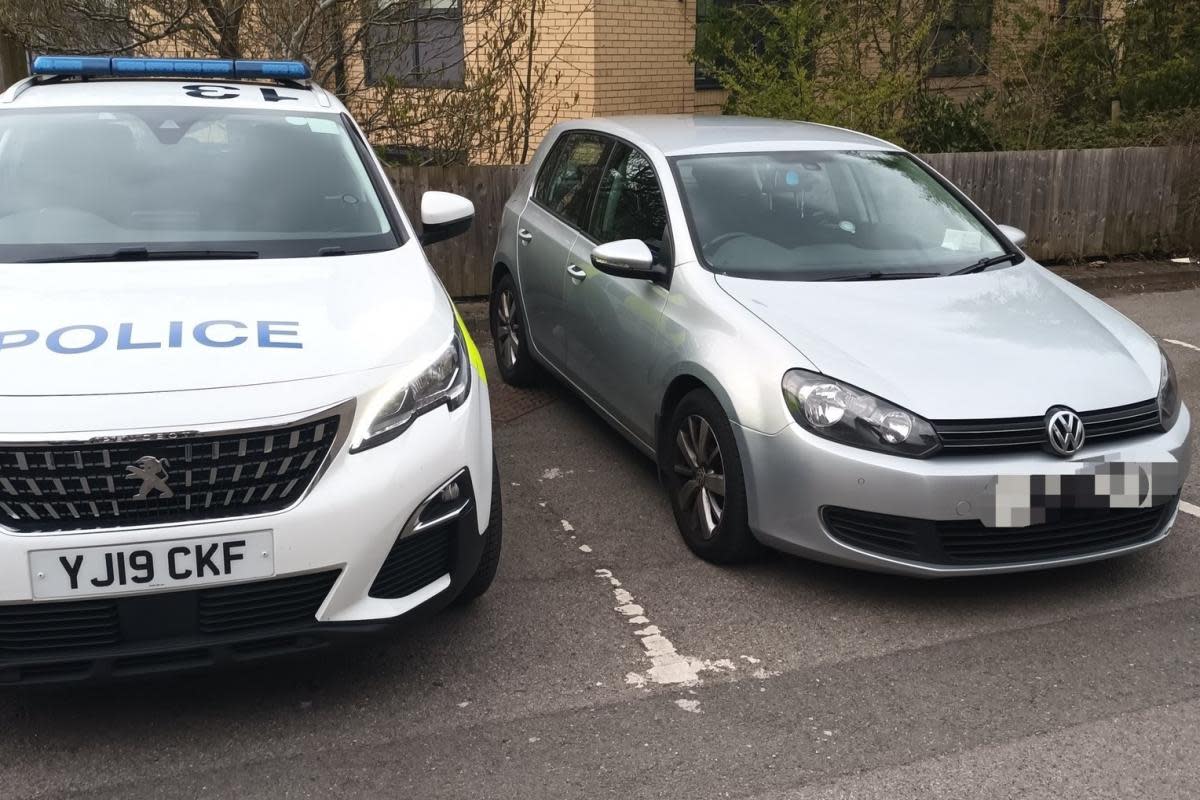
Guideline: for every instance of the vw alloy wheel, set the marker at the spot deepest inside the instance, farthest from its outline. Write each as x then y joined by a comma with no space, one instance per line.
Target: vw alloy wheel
698,461
508,327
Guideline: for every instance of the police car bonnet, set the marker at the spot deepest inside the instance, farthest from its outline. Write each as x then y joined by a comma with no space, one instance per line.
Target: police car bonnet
123,328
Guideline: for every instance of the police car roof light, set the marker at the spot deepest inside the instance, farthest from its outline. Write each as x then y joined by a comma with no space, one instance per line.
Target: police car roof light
277,70
72,65
182,67
104,66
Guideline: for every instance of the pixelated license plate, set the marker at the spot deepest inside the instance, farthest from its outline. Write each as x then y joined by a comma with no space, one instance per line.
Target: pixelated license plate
1022,500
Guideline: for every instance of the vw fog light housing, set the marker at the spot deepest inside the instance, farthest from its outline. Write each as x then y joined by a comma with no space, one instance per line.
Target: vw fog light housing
445,381
1169,400
843,413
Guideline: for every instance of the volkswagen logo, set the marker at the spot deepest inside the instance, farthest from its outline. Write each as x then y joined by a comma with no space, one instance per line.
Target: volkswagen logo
1065,431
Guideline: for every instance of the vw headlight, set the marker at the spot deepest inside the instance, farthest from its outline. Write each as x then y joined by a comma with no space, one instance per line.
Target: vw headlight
841,412
445,381
1168,393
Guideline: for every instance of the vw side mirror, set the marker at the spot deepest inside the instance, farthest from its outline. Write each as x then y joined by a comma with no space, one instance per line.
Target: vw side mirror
627,258
444,216
1015,235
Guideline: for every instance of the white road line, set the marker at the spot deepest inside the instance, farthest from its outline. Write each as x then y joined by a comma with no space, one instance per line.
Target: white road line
667,666
1183,344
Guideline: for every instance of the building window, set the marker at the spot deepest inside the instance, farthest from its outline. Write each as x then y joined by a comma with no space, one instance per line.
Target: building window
960,45
415,43
1085,11
704,13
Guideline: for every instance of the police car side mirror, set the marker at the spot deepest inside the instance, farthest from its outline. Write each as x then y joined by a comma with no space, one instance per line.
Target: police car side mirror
444,216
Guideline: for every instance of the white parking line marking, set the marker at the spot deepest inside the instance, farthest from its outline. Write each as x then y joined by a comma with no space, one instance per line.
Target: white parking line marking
667,666
1183,344
1189,508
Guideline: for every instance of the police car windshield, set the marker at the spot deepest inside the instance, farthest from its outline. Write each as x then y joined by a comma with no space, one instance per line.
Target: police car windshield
82,183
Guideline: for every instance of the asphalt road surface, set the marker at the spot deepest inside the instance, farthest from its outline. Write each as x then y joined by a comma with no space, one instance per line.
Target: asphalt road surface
810,681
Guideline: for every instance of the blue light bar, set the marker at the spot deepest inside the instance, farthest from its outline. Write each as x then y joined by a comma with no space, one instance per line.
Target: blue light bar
169,68
72,65
279,70
176,67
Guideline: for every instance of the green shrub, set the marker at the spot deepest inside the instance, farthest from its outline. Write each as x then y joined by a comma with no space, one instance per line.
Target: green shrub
935,123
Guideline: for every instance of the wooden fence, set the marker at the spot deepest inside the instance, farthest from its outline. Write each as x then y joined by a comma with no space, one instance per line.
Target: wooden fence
1072,203
1084,203
464,263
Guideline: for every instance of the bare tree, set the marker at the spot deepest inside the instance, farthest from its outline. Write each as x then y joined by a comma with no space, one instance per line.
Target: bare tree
12,60
91,26
442,80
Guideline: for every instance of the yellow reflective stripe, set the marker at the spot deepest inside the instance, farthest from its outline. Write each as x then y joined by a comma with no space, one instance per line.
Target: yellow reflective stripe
472,350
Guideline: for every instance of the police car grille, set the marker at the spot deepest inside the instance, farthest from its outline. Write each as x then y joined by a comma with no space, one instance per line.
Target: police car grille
46,488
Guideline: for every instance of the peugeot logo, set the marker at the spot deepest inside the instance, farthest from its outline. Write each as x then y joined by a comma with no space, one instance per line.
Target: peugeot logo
152,472
1065,431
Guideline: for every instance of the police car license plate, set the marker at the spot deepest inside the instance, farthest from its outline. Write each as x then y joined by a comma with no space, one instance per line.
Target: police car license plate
151,566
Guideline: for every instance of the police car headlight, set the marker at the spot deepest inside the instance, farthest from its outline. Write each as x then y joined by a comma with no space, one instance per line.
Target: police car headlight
444,382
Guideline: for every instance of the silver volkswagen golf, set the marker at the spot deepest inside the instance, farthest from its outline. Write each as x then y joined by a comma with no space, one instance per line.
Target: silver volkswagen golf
830,350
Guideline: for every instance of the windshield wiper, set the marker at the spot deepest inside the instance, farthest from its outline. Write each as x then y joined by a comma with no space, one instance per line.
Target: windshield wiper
145,254
984,263
876,275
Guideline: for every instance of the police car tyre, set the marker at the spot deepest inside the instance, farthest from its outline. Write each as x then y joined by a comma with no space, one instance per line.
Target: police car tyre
702,472
510,336
485,572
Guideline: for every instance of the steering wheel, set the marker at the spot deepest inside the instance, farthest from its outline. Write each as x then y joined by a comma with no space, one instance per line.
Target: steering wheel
822,217
714,244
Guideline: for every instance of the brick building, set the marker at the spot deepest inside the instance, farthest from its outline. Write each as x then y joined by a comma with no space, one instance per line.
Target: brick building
632,56
606,56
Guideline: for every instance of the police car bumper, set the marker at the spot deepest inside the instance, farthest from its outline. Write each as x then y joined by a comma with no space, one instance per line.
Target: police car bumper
382,536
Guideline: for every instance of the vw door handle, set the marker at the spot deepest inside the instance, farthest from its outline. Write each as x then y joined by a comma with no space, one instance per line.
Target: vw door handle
576,272
525,236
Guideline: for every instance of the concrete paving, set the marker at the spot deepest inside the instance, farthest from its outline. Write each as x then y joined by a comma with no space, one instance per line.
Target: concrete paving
811,681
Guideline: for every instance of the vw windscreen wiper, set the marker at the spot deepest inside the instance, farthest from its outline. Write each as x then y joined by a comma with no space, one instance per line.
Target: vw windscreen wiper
877,275
984,263
146,254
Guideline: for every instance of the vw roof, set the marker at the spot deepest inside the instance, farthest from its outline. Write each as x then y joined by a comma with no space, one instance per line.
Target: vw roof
689,134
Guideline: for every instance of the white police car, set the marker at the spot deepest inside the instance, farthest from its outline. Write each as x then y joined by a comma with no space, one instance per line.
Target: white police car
239,416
